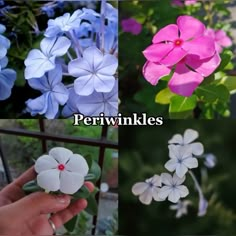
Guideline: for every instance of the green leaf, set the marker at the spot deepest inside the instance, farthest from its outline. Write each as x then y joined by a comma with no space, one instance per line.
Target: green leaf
212,93
164,96
82,193
92,207
225,60
31,187
70,225
96,171
230,83
182,107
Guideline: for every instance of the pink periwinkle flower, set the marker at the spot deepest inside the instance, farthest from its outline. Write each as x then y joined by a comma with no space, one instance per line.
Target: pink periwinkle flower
220,37
183,2
130,25
187,48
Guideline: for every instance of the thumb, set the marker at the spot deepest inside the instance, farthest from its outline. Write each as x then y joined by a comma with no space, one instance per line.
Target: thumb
41,203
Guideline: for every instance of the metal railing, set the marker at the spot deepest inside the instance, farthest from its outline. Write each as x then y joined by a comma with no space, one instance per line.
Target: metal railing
102,143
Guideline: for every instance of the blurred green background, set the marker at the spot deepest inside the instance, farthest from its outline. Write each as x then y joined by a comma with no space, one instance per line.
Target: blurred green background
143,153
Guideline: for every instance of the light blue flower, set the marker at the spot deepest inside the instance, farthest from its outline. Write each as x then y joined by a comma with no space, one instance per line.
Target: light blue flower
85,34
111,14
94,72
92,105
4,42
3,62
39,62
7,79
202,207
54,93
63,24
49,10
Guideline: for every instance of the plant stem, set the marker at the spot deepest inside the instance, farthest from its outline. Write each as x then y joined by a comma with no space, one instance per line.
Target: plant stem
196,183
102,31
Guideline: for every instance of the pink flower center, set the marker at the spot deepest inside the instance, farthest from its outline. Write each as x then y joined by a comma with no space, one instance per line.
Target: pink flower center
178,42
61,167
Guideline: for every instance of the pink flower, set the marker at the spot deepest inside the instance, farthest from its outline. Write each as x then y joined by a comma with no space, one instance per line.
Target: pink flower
172,43
186,48
183,2
131,26
220,37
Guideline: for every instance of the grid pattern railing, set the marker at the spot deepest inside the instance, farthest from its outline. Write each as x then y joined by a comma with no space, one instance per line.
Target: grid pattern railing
102,143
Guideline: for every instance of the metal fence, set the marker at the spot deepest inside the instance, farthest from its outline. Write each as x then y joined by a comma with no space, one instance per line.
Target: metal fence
103,143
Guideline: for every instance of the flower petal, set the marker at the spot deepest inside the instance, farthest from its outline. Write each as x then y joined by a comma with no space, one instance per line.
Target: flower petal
164,192
197,149
156,52
146,197
166,179
168,33
190,135
204,47
104,83
190,27
174,151
7,79
222,38
155,194
45,162
177,180
152,72
78,164
171,165
176,55
79,67
108,66
191,162
71,182
205,67
183,190
84,85
181,170
93,56
184,81
174,195
49,180
176,139
139,188
156,180
60,154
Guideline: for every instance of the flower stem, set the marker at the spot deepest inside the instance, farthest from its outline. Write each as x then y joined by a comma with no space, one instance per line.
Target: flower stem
102,32
196,183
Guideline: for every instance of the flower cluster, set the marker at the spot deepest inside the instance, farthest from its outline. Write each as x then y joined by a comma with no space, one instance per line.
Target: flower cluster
184,154
61,170
7,76
83,47
185,50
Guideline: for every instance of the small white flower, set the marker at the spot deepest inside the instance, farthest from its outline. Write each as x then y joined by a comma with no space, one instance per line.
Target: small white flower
181,160
181,208
173,189
148,190
61,170
187,139
210,160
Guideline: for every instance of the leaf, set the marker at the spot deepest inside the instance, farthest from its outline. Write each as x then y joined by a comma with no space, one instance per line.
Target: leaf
70,225
82,193
230,83
225,59
31,187
164,96
182,107
92,207
96,171
212,93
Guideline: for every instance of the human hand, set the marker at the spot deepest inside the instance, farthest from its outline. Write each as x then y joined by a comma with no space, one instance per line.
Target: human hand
28,215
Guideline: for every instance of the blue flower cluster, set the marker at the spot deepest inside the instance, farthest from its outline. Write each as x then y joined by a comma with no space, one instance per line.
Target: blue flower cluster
7,76
83,48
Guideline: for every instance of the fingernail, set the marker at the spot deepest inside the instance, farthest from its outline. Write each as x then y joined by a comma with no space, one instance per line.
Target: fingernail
63,199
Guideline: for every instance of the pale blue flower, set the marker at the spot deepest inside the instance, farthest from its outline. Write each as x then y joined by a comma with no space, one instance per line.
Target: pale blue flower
202,207
181,208
39,62
111,14
54,94
63,24
4,42
7,79
210,160
94,72
92,105
85,34
49,10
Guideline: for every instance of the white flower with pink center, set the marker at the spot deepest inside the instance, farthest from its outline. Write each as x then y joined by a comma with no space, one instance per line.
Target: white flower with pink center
61,170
